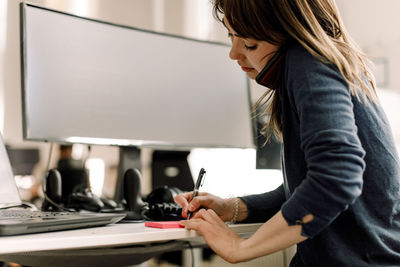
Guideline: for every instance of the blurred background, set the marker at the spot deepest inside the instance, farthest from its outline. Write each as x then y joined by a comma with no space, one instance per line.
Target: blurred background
372,24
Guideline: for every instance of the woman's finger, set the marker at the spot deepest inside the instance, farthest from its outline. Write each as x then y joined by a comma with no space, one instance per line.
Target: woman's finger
192,224
188,204
209,215
182,199
215,232
199,223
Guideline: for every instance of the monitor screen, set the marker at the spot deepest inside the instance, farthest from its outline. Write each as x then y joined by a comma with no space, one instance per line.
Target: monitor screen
93,82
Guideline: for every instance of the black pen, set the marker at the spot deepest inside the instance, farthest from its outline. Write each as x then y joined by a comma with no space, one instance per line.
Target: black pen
199,183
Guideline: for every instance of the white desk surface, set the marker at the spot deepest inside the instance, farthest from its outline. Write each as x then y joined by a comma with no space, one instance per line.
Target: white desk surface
121,234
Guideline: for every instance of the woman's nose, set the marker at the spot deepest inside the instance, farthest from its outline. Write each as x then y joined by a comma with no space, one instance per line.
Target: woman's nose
235,53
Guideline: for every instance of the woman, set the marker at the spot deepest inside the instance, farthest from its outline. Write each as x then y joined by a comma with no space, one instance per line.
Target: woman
340,200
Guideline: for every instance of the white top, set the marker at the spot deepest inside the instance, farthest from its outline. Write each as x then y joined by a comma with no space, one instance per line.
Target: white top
120,234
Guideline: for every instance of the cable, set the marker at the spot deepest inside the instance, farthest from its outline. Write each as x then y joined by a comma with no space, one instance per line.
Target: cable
49,158
24,205
191,252
89,150
284,254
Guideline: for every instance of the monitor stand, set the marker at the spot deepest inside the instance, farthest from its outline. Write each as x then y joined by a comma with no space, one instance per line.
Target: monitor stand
168,168
171,168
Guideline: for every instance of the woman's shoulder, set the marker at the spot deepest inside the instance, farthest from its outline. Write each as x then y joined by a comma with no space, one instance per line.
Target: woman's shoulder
300,62
296,49
304,72
297,56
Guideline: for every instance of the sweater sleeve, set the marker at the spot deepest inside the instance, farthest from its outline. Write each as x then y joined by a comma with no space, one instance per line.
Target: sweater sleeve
321,99
261,207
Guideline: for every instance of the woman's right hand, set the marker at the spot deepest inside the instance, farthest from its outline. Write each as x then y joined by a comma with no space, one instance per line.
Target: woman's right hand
222,207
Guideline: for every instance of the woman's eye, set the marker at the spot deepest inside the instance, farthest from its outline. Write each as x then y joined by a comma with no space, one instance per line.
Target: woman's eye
250,47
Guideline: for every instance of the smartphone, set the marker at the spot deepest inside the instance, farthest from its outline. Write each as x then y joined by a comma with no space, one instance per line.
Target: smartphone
269,74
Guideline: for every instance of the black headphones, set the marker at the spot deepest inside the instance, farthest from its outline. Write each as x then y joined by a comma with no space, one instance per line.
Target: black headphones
161,205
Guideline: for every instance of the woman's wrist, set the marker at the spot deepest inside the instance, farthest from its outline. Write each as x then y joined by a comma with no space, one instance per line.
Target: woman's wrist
243,212
237,210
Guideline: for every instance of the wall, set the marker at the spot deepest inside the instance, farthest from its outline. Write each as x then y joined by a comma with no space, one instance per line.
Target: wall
10,103
374,26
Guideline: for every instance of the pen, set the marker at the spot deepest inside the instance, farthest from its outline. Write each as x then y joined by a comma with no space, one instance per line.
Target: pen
199,183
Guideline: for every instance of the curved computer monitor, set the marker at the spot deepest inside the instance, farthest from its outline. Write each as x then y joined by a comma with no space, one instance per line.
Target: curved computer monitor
89,81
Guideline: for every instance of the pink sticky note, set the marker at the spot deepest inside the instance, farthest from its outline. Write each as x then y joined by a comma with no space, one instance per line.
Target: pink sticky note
164,224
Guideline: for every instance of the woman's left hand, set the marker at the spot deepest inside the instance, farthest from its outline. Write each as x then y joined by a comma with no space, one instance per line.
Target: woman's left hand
220,238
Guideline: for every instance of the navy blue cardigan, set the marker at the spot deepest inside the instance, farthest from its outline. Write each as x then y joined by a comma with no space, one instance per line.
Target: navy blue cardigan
341,166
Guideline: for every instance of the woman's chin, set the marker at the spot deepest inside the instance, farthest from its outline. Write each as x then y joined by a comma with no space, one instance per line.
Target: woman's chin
251,75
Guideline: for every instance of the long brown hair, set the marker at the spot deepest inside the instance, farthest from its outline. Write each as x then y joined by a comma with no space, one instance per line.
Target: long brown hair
315,24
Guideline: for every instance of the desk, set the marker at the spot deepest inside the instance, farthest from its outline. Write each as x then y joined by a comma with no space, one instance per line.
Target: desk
111,245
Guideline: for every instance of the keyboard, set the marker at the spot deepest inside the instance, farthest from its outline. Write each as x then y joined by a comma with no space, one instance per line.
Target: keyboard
33,214
20,221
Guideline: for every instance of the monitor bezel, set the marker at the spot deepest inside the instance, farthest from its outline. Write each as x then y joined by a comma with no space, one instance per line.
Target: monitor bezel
111,141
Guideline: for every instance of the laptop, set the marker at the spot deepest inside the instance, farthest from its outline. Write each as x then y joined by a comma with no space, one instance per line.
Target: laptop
15,219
